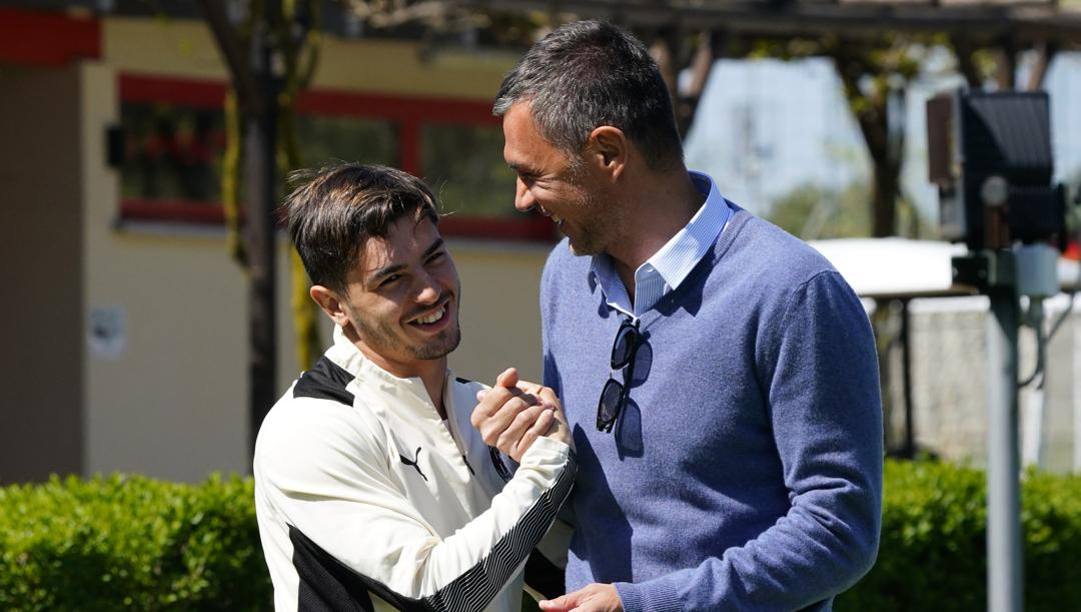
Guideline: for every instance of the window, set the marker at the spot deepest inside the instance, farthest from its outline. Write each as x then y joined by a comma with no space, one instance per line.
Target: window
172,153
174,140
477,184
325,138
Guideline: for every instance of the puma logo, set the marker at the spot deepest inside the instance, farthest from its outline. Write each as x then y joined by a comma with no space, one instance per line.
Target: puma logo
413,462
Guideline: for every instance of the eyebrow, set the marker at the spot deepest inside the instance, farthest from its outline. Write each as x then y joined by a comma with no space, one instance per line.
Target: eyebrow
395,268
438,244
523,170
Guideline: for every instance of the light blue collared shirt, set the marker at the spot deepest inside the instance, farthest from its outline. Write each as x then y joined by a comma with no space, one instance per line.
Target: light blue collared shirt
669,266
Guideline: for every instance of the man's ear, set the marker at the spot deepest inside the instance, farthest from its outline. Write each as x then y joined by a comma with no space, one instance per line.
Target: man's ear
608,148
331,304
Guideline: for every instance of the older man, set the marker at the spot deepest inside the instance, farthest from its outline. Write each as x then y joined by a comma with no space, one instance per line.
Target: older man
718,374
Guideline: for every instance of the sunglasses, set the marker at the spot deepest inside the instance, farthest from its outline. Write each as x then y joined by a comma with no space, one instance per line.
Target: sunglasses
614,395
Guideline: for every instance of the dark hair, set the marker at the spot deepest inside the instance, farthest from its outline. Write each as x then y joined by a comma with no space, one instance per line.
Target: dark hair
336,209
586,74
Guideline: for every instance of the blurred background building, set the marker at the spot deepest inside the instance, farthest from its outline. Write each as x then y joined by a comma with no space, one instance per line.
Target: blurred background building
126,321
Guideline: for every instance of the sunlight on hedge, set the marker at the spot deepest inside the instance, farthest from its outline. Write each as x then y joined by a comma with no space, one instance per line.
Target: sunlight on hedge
130,542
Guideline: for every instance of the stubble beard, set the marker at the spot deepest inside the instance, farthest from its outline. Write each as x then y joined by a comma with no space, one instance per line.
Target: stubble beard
593,229
382,339
440,346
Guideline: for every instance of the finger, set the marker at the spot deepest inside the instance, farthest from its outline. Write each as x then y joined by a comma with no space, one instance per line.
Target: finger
546,394
559,604
519,426
489,404
557,414
540,427
508,379
493,427
527,397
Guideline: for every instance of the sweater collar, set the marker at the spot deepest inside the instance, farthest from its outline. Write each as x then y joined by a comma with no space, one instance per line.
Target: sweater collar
666,269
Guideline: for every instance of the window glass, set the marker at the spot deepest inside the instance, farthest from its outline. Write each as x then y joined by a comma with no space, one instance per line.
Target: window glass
172,152
172,162
464,165
325,139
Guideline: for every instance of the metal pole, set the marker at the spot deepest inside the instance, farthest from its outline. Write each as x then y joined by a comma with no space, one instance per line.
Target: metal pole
1075,323
1004,584
906,373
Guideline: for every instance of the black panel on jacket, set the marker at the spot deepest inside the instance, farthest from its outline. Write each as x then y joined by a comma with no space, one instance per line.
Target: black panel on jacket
325,584
326,380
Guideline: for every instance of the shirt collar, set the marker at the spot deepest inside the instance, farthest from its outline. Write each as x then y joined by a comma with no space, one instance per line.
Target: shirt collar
346,355
671,264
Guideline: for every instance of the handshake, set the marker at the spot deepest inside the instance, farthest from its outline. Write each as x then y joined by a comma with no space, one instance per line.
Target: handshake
514,413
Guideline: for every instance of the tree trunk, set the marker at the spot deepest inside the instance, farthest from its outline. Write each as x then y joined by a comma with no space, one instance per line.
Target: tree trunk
884,199
262,198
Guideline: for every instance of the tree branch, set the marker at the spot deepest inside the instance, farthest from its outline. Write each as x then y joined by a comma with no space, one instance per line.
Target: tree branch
1046,52
962,50
231,50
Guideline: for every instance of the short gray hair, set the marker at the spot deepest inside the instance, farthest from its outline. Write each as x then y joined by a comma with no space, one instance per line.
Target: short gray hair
587,74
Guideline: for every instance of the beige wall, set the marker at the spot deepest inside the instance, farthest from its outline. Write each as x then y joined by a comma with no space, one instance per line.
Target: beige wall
500,310
173,403
41,248
183,48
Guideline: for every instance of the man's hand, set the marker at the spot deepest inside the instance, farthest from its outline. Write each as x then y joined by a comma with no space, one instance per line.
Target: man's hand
591,598
513,413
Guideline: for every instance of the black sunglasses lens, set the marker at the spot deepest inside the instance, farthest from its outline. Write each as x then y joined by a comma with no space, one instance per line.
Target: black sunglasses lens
608,408
623,347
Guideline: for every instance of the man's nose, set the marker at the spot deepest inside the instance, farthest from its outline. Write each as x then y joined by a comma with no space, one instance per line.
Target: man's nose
523,200
427,290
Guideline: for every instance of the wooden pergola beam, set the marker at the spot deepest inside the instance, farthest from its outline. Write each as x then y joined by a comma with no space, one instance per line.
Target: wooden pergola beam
982,23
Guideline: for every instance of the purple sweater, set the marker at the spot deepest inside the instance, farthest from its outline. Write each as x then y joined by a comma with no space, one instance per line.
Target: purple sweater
745,473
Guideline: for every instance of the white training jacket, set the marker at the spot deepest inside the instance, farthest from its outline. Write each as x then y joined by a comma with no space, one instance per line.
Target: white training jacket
366,501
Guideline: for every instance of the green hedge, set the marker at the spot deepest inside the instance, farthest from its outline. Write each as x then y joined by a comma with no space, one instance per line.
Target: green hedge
933,551
129,542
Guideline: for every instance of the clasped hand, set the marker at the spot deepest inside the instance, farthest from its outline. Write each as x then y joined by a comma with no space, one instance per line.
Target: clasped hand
514,413
510,417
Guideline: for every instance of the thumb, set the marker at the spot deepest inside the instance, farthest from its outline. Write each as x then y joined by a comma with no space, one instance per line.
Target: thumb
508,379
559,604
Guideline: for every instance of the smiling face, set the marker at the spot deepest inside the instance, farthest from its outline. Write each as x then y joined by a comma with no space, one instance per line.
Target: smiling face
551,184
400,304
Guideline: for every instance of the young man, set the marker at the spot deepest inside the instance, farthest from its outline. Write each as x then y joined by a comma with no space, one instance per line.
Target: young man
718,374
371,486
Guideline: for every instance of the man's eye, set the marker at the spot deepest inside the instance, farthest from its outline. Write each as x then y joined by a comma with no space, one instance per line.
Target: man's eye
435,257
389,280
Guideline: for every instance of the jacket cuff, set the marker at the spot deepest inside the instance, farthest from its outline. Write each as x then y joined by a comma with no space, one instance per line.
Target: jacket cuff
546,451
651,597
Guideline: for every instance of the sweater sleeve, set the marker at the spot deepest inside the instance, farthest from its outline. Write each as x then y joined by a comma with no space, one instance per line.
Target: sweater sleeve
819,370
329,481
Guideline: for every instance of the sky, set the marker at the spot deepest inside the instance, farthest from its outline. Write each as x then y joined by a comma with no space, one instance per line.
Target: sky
767,127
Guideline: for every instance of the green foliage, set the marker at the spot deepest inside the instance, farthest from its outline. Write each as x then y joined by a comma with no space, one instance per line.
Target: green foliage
812,212
129,542
933,551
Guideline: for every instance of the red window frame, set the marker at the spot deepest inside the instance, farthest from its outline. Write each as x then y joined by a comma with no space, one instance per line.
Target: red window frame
408,114
47,38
